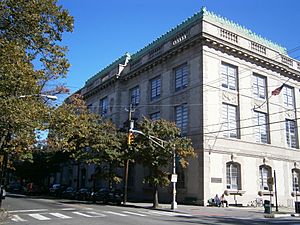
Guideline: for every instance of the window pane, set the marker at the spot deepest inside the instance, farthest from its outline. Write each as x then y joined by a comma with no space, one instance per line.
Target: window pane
261,127
181,77
229,121
181,117
229,76
291,133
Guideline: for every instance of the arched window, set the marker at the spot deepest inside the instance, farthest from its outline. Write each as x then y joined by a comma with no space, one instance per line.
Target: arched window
264,174
233,175
296,179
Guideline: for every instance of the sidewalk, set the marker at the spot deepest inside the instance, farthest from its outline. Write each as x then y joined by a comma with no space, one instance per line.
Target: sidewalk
230,211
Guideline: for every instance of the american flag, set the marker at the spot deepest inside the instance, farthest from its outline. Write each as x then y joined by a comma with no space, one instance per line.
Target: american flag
277,90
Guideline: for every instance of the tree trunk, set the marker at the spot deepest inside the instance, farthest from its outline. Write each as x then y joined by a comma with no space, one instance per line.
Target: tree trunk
155,196
78,175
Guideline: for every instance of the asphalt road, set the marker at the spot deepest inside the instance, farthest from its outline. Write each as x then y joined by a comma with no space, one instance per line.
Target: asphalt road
24,210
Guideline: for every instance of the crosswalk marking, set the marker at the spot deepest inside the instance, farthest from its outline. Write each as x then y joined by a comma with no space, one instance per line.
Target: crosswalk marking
28,210
168,213
39,216
133,213
17,218
59,215
97,214
82,214
114,213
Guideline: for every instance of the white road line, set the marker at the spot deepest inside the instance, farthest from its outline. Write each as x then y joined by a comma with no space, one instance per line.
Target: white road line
168,213
17,218
133,213
59,215
82,214
28,210
39,216
115,213
96,214
66,209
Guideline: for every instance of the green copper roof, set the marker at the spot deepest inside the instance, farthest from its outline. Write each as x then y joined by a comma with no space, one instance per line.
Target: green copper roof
213,18
242,30
118,61
169,34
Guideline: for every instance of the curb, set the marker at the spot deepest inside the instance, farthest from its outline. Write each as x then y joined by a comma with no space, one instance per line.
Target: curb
275,215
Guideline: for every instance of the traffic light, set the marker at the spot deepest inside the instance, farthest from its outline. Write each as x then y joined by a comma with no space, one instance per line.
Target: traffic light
130,138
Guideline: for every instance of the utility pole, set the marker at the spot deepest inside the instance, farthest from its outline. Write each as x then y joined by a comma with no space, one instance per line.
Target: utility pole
131,126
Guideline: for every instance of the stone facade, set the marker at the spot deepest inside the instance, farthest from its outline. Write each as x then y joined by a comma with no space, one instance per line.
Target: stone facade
214,78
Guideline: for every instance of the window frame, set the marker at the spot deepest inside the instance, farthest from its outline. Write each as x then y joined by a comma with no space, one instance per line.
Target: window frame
135,96
233,178
227,78
288,96
104,105
290,136
259,89
227,125
182,114
181,79
265,172
261,126
154,117
155,88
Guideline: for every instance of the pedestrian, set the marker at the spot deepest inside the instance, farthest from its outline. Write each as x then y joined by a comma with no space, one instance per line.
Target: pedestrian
223,200
217,200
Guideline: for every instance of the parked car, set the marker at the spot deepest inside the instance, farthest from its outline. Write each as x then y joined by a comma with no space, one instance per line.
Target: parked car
69,193
57,189
83,194
106,195
15,188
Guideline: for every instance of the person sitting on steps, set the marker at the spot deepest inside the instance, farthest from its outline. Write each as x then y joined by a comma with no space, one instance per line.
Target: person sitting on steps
223,200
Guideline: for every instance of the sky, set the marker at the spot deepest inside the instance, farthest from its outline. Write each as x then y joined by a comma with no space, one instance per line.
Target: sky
106,30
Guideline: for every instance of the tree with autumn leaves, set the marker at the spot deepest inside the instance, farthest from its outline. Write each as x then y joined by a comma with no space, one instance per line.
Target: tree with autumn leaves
30,58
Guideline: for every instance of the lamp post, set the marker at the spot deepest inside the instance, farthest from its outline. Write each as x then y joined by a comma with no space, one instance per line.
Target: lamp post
174,180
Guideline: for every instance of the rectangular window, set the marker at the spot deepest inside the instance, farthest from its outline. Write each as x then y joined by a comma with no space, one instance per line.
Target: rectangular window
264,174
291,133
229,121
229,76
233,176
104,106
135,96
155,88
182,117
288,96
259,86
181,77
261,127
155,116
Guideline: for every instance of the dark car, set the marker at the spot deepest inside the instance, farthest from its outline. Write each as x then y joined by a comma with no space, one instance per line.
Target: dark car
83,194
57,189
106,195
15,188
69,193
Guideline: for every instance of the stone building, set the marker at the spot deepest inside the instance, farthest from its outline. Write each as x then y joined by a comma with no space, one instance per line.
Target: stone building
215,79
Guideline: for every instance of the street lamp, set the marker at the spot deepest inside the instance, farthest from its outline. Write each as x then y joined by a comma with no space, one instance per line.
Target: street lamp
50,97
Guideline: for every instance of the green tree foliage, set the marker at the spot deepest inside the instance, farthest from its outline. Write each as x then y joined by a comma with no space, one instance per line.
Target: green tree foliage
159,159
86,137
30,57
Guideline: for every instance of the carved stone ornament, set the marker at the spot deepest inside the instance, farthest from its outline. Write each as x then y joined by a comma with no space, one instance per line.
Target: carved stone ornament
290,114
296,164
265,160
233,157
